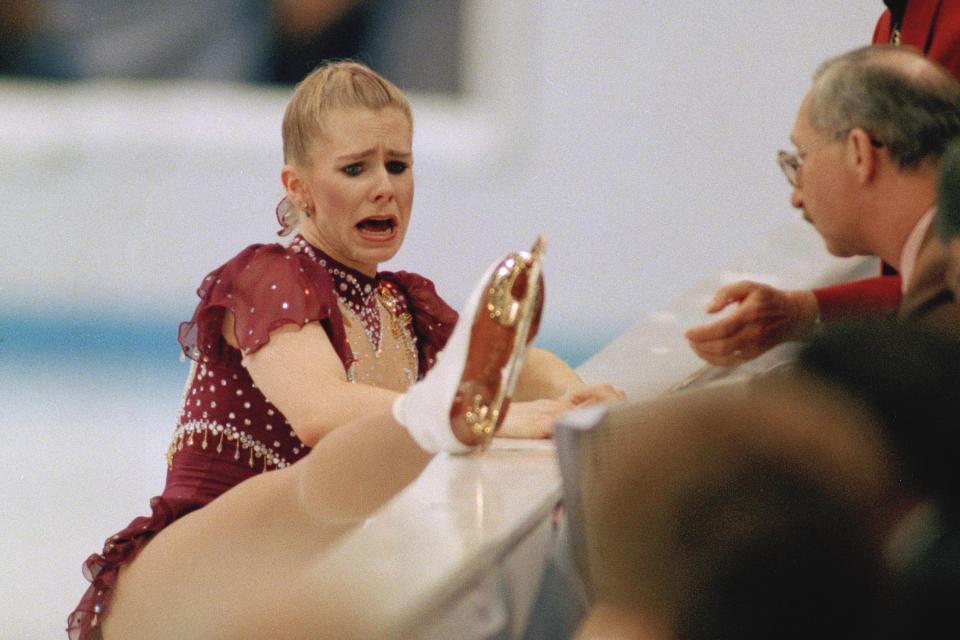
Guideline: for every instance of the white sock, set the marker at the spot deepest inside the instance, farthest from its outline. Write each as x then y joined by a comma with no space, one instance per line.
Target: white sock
430,434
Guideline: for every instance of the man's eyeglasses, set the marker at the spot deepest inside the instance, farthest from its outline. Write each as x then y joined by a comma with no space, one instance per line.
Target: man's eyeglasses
790,163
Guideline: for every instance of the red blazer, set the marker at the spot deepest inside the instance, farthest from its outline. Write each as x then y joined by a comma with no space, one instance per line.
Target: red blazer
933,27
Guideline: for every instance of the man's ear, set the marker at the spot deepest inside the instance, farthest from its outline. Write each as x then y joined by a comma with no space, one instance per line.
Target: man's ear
861,154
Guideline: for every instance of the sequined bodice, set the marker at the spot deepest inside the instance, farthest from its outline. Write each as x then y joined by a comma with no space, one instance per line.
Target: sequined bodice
378,324
386,334
224,414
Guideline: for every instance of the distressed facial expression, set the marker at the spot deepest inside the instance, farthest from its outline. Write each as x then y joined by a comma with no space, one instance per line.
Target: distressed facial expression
358,187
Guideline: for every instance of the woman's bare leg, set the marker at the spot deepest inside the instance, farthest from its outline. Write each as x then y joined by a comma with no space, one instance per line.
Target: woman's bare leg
243,565
240,566
356,470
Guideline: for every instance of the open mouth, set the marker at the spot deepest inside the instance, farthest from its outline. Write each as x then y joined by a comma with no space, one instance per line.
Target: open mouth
378,226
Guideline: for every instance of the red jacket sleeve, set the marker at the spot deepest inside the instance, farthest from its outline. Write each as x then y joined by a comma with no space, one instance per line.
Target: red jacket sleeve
932,26
873,296
881,33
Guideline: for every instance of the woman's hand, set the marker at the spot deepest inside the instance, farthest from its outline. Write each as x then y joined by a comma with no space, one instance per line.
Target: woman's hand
537,418
589,394
533,419
548,388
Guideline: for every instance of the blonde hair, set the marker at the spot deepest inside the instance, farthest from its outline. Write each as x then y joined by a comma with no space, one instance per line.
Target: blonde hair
331,87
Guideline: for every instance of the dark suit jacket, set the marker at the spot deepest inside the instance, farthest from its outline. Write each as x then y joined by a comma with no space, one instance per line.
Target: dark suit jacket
928,298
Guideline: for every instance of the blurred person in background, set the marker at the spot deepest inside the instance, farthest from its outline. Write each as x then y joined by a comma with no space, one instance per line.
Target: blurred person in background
415,43
143,39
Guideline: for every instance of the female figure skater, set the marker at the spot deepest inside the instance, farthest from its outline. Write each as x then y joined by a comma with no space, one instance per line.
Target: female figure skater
303,356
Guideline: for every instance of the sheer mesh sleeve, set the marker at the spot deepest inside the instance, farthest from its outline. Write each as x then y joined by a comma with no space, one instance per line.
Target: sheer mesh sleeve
265,287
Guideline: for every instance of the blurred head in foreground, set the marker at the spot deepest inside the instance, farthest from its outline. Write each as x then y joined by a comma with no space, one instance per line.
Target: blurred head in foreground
770,508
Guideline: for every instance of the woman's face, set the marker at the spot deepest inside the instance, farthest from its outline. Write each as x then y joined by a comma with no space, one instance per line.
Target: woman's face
358,187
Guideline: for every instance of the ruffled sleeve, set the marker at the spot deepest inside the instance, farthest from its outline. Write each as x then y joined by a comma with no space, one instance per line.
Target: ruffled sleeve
265,287
433,319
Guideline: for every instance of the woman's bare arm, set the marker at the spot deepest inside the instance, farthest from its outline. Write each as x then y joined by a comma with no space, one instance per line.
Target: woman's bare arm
301,374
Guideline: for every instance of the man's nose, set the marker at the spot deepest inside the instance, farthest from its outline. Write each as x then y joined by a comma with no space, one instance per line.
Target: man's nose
796,198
